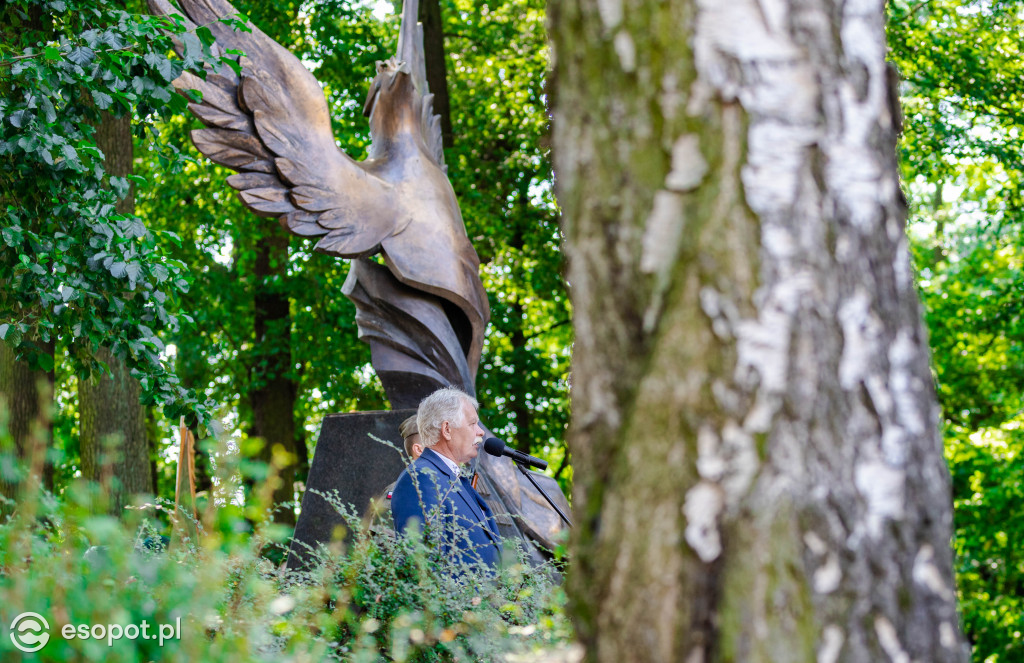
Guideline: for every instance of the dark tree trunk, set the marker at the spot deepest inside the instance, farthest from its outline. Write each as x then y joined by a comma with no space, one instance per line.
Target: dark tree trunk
204,469
19,385
274,391
114,444
520,356
437,70
22,391
519,408
758,469
110,408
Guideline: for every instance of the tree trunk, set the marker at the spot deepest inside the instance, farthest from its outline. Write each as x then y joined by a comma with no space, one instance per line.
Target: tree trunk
437,69
758,469
273,390
21,394
19,385
517,404
110,405
114,444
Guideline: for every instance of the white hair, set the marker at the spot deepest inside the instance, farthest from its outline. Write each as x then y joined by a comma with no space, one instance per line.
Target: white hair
441,406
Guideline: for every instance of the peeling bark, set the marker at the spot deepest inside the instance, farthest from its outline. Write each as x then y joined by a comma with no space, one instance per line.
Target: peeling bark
759,471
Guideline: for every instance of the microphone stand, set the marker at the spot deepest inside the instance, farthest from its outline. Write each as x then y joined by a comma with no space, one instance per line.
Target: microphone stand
541,490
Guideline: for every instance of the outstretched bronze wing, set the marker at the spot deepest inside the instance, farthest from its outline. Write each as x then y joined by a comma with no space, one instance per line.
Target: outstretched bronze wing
280,140
271,124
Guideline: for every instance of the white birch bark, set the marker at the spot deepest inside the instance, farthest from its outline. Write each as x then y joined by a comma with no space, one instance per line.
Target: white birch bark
759,471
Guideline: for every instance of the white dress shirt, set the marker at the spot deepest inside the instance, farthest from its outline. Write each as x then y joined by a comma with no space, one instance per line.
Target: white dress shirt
452,465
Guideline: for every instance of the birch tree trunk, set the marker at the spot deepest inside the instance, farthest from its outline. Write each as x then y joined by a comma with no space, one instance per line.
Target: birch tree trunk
759,472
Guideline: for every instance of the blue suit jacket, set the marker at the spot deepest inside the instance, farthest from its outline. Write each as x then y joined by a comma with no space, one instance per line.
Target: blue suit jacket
453,509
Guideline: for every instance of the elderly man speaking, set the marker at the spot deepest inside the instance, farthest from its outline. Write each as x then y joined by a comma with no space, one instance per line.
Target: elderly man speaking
430,489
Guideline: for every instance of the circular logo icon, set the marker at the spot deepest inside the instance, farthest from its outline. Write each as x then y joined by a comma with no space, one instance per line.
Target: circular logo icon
29,632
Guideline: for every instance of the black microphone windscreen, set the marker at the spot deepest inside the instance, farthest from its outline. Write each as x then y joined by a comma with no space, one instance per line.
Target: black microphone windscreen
494,446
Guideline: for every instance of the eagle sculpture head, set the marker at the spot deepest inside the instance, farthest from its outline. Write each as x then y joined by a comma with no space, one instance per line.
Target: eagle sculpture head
392,86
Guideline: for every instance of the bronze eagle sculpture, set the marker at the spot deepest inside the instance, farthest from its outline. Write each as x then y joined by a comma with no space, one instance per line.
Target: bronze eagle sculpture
271,124
424,311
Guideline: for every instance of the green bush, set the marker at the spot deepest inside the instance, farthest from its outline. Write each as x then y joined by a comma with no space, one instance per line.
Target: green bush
988,488
381,598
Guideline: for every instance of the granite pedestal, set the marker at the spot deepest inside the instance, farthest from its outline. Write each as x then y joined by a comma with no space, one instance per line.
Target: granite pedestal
349,461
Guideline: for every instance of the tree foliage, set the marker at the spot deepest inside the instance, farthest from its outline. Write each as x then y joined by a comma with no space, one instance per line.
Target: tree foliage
501,171
961,156
74,269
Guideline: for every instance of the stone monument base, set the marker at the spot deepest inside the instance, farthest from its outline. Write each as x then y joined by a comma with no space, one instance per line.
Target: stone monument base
349,461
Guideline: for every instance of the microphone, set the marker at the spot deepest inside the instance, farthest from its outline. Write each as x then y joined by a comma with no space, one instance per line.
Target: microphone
496,447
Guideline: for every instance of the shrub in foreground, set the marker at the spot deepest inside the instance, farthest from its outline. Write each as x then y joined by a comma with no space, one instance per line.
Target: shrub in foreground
217,597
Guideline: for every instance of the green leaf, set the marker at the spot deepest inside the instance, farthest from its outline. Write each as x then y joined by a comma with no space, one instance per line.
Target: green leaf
51,53
12,336
91,37
102,99
133,270
136,228
205,34
81,55
12,235
20,118
153,59
45,361
118,269
119,185
113,39
231,62
49,112
160,273
166,69
70,154
193,47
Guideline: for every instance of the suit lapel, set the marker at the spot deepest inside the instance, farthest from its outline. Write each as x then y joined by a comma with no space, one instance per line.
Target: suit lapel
488,517
435,458
466,493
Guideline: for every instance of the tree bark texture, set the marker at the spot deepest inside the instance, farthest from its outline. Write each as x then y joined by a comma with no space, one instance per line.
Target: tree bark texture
437,69
19,385
758,469
273,390
110,405
113,437
20,391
